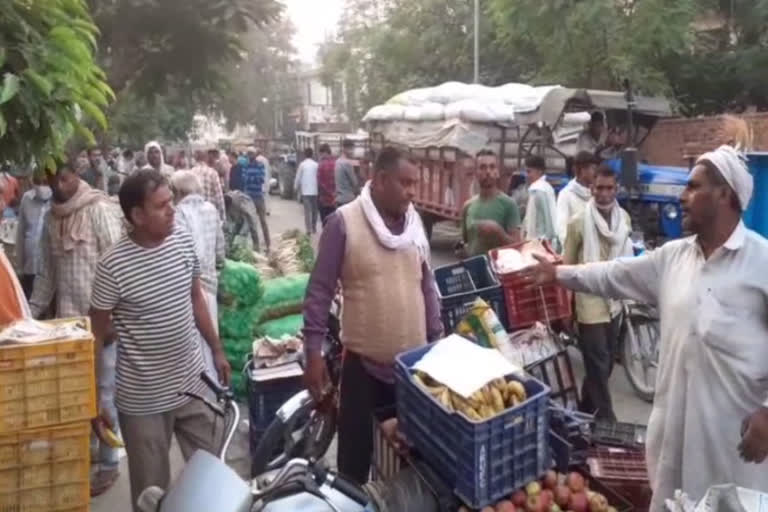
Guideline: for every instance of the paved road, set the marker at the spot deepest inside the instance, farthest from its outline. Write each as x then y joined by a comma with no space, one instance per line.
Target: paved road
288,215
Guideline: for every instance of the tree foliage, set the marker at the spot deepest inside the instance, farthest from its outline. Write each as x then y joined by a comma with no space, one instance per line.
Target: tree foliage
264,80
386,46
51,86
153,46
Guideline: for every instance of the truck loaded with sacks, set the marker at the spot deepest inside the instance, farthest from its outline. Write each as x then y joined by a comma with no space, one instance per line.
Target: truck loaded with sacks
443,127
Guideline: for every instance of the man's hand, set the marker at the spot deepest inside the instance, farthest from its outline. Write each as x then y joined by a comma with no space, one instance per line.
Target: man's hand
754,438
543,273
316,378
222,367
394,436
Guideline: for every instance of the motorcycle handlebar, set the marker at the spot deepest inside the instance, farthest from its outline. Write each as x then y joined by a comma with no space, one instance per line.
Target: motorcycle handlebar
350,489
220,391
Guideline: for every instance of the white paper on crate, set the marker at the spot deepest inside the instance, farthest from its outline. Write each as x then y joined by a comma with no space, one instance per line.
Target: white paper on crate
463,366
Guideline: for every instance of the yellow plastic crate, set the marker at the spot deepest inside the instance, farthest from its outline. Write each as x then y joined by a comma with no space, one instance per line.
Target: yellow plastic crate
47,383
46,469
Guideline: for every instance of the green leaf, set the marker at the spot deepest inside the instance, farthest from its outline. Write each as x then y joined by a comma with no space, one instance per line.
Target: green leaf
94,112
41,83
85,133
10,87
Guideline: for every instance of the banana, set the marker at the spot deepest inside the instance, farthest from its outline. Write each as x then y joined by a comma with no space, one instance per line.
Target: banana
445,399
517,389
477,398
487,395
472,414
498,401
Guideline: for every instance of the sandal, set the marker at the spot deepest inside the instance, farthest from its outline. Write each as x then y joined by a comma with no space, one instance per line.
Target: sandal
101,481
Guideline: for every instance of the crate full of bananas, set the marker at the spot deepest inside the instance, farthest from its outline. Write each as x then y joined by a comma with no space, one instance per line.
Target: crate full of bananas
484,445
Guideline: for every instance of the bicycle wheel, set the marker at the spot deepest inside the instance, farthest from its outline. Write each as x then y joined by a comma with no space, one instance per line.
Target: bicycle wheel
298,430
640,354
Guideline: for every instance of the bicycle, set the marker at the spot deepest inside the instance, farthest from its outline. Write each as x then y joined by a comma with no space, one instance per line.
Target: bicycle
639,347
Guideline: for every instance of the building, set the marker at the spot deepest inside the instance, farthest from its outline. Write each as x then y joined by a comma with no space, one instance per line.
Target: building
320,104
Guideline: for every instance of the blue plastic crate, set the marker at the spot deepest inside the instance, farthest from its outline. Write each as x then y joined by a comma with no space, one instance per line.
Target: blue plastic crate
461,283
482,461
264,399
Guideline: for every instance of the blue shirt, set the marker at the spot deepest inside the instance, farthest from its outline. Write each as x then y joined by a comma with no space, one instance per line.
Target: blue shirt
250,179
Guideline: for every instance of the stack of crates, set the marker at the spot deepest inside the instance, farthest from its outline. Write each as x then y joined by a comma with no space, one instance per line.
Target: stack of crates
47,399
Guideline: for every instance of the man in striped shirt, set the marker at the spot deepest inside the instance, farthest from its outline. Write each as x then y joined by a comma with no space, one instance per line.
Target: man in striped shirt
148,284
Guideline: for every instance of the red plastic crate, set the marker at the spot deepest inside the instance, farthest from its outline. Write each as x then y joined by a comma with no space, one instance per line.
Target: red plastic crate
625,471
526,306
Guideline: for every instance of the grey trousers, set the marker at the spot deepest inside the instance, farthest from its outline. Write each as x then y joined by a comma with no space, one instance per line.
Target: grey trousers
598,344
311,213
148,442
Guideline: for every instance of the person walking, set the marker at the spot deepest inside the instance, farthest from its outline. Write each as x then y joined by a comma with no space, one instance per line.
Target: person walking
709,422
348,183
573,198
148,285
541,210
376,248
491,218
249,178
326,183
240,212
306,184
201,220
153,152
29,233
267,176
80,226
209,183
599,233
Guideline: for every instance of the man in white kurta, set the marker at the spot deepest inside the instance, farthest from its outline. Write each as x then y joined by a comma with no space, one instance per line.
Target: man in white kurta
712,293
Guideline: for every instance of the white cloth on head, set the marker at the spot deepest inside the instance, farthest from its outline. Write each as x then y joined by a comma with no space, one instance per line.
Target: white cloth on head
165,169
712,354
413,231
733,167
617,233
572,200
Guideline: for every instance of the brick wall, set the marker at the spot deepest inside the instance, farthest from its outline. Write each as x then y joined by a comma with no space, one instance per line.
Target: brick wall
672,141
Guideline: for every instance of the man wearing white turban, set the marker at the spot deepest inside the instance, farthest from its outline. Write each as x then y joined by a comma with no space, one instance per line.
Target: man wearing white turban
710,414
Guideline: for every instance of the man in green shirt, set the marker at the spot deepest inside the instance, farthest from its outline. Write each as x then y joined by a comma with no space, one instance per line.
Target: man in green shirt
491,219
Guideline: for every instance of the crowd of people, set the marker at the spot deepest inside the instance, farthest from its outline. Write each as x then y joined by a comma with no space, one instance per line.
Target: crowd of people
136,245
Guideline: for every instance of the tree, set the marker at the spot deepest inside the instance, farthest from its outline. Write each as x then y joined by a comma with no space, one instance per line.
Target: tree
596,43
261,83
385,47
153,46
52,87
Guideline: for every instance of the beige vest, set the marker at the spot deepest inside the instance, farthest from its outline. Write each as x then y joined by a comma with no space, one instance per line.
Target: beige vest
383,311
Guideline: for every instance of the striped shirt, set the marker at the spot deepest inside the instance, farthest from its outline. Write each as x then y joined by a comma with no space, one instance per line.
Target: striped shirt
149,292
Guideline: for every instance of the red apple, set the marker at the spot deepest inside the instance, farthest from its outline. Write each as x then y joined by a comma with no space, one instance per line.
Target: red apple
505,506
534,503
550,479
575,482
598,503
519,498
533,488
562,495
578,502
548,497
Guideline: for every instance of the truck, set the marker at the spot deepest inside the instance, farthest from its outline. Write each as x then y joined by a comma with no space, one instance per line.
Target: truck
547,122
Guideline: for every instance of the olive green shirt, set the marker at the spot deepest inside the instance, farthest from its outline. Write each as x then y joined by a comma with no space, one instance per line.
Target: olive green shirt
501,209
590,309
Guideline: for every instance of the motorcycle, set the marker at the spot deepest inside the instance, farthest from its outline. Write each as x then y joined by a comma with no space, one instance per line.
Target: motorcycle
206,483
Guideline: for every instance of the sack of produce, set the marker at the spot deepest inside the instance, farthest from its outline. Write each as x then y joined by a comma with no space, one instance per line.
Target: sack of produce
289,325
482,326
283,296
238,323
240,285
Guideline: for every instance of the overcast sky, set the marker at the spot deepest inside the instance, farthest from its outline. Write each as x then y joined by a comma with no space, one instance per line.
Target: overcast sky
313,20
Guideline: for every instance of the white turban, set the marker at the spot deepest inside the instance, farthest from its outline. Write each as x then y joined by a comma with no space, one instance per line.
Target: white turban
733,167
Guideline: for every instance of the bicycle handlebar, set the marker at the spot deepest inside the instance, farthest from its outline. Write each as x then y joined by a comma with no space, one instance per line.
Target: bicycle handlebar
350,489
221,392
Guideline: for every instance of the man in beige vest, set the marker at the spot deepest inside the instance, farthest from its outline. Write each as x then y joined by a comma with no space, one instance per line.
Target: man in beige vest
376,248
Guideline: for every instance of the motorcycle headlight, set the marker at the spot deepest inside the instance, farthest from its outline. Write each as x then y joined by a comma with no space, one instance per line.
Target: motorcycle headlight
670,211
